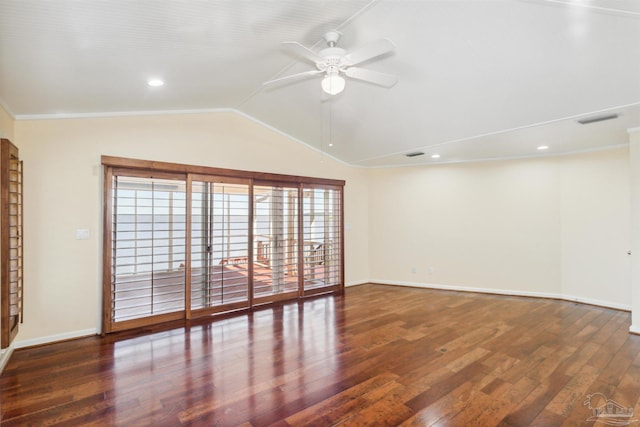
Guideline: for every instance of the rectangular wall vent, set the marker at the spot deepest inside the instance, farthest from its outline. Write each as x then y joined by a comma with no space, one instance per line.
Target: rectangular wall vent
594,119
415,154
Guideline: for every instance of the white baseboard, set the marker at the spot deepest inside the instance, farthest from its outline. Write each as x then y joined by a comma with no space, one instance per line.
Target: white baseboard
606,304
5,354
634,329
347,285
58,337
600,303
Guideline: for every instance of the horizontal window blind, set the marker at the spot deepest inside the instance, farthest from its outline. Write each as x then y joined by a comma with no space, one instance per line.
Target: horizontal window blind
322,237
275,240
219,244
148,244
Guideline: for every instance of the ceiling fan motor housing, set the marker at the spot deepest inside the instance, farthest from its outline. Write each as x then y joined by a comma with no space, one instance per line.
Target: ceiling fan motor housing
332,57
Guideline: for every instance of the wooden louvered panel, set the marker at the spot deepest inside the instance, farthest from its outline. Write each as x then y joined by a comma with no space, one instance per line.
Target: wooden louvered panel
11,252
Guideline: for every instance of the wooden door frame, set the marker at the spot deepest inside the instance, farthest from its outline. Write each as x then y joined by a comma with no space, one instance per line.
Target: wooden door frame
114,166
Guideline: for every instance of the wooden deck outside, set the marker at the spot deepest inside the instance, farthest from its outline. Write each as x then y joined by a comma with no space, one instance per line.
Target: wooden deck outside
377,355
167,293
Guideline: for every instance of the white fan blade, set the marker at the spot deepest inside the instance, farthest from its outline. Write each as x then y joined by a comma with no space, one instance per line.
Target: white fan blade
368,51
303,51
293,77
375,77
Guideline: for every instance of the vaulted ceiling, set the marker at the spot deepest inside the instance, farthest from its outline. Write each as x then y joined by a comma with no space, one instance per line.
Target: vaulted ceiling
477,79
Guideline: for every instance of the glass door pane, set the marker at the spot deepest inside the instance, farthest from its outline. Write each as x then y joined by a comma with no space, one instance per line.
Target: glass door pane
275,268
148,244
322,239
219,244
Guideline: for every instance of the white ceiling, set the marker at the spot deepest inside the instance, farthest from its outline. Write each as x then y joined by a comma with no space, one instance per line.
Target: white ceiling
477,79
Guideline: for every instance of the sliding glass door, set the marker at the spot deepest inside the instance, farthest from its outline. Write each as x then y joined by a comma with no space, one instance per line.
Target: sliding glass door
148,249
182,242
275,263
220,236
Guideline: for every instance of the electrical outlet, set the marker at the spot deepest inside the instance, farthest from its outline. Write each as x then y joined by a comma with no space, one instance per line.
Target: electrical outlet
430,270
413,270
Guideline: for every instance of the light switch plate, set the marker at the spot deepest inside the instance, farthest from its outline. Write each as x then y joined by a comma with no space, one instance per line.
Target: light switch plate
82,234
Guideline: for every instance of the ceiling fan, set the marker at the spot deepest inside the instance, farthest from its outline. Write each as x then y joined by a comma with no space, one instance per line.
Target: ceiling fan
334,63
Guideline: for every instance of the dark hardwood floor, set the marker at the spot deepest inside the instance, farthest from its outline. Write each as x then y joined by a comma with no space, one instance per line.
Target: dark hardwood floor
376,356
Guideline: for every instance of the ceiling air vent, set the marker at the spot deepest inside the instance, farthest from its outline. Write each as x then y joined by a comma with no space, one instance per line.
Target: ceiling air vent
415,154
594,119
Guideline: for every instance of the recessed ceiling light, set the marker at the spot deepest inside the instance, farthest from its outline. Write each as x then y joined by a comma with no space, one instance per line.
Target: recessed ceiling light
435,156
543,147
155,82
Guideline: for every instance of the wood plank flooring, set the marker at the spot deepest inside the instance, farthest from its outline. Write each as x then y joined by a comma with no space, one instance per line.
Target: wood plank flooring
375,356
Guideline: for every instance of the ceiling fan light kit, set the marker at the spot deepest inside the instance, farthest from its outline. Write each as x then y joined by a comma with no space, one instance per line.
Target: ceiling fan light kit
336,63
333,83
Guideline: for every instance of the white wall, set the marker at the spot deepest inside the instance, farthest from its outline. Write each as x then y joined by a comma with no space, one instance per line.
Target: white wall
6,125
492,225
595,227
545,226
634,164
62,186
